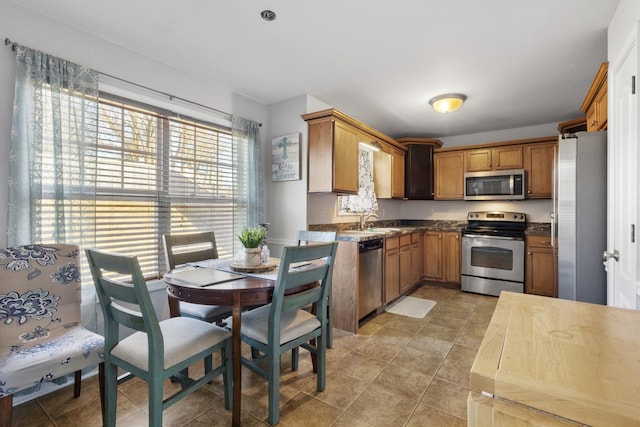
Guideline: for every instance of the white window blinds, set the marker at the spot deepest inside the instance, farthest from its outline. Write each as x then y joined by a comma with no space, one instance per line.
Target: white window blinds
157,174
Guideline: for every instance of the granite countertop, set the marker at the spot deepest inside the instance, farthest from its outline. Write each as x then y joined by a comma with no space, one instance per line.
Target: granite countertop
383,229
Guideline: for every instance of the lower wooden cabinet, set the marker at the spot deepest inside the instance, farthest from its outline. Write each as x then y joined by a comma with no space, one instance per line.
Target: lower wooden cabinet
416,257
541,277
442,253
403,264
391,269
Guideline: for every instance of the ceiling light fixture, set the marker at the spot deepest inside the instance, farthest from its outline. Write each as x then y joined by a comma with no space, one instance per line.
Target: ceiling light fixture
268,15
447,103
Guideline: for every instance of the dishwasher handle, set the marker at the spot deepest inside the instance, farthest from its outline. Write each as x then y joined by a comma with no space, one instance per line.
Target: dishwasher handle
369,245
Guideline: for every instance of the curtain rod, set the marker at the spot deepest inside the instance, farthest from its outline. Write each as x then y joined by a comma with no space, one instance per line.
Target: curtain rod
13,45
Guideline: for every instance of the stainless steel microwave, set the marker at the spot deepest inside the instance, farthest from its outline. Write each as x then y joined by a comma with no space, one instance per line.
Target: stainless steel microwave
494,185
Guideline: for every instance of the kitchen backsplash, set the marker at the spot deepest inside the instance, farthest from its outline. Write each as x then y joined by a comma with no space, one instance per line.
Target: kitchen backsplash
322,209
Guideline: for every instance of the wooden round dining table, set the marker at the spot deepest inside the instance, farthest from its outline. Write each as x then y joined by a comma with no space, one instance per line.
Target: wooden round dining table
245,292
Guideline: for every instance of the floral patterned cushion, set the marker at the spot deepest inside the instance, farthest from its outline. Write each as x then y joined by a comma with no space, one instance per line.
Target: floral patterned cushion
41,335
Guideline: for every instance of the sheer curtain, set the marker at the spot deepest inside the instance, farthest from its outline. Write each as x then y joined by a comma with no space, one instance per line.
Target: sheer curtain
52,156
246,139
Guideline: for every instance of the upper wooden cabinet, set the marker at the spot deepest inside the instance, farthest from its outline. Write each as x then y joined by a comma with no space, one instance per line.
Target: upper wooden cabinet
397,174
448,169
418,167
334,140
539,160
535,155
595,103
499,158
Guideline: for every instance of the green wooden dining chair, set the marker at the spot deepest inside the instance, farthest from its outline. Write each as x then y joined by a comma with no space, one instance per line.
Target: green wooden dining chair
283,325
306,237
181,249
158,350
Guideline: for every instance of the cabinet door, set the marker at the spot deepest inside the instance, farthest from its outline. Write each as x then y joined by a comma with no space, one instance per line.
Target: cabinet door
539,167
432,255
478,160
405,262
418,172
451,257
449,175
416,258
600,103
507,157
391,269
540,269
345,159
397,175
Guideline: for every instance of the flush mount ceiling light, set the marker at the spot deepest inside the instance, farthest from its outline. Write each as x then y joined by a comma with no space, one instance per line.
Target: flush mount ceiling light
268,15
447,103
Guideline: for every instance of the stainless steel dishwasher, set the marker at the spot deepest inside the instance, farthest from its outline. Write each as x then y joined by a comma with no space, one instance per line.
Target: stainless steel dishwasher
370,276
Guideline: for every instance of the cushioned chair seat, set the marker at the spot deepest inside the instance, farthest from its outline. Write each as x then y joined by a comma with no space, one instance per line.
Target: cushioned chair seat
293,324
71,350
187,338
208,313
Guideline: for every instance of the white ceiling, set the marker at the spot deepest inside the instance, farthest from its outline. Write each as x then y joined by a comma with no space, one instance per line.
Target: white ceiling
520,63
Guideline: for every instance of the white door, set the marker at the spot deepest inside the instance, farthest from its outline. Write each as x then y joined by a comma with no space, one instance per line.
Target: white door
622,275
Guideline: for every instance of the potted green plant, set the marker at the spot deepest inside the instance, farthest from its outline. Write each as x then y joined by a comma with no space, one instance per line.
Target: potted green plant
251,238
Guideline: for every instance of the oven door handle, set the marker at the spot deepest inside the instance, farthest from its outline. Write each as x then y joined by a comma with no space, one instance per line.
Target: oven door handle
482,236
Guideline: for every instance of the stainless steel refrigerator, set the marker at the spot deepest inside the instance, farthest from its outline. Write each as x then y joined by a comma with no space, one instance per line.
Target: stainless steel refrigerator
581,216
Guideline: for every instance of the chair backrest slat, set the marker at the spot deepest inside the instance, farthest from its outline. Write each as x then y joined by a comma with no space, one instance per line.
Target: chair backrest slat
307,237
183,248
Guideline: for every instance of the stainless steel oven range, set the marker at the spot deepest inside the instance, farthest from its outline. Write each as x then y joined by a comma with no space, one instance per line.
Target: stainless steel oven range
493,252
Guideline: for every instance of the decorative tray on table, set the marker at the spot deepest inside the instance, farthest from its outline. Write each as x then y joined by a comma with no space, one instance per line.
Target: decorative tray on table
262,268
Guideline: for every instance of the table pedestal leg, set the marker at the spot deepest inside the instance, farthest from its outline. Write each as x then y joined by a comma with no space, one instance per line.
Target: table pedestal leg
237,362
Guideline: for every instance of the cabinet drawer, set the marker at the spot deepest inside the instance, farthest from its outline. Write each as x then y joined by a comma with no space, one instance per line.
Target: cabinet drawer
416,237
539,241
405,239
391,243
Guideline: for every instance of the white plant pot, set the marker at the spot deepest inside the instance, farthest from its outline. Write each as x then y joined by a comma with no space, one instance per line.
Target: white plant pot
252,257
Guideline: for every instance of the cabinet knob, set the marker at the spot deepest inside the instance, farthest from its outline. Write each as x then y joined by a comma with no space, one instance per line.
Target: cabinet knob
528,191
457,237
528,253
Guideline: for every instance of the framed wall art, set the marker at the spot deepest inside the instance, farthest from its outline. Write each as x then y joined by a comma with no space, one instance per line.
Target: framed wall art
285,157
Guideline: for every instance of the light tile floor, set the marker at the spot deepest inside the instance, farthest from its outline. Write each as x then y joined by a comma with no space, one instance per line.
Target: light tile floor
397,371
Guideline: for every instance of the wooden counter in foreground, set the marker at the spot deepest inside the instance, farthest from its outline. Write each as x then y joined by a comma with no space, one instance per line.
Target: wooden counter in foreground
551,362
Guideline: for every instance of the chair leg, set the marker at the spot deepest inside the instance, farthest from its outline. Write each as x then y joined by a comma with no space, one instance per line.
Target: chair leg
102,384
274,386
155,400
227,375
314,355
110,394
77,384
295,357
321,364
6,408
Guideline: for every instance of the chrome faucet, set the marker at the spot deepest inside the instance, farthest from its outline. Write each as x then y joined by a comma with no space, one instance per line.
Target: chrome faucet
364,217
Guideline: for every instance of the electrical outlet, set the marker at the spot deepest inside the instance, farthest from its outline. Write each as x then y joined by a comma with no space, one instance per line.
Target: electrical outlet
327,212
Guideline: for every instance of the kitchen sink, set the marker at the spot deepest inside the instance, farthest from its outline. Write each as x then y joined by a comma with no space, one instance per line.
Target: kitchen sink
383,230
373,230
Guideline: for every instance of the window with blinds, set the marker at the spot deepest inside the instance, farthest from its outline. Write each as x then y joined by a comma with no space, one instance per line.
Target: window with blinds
156,174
